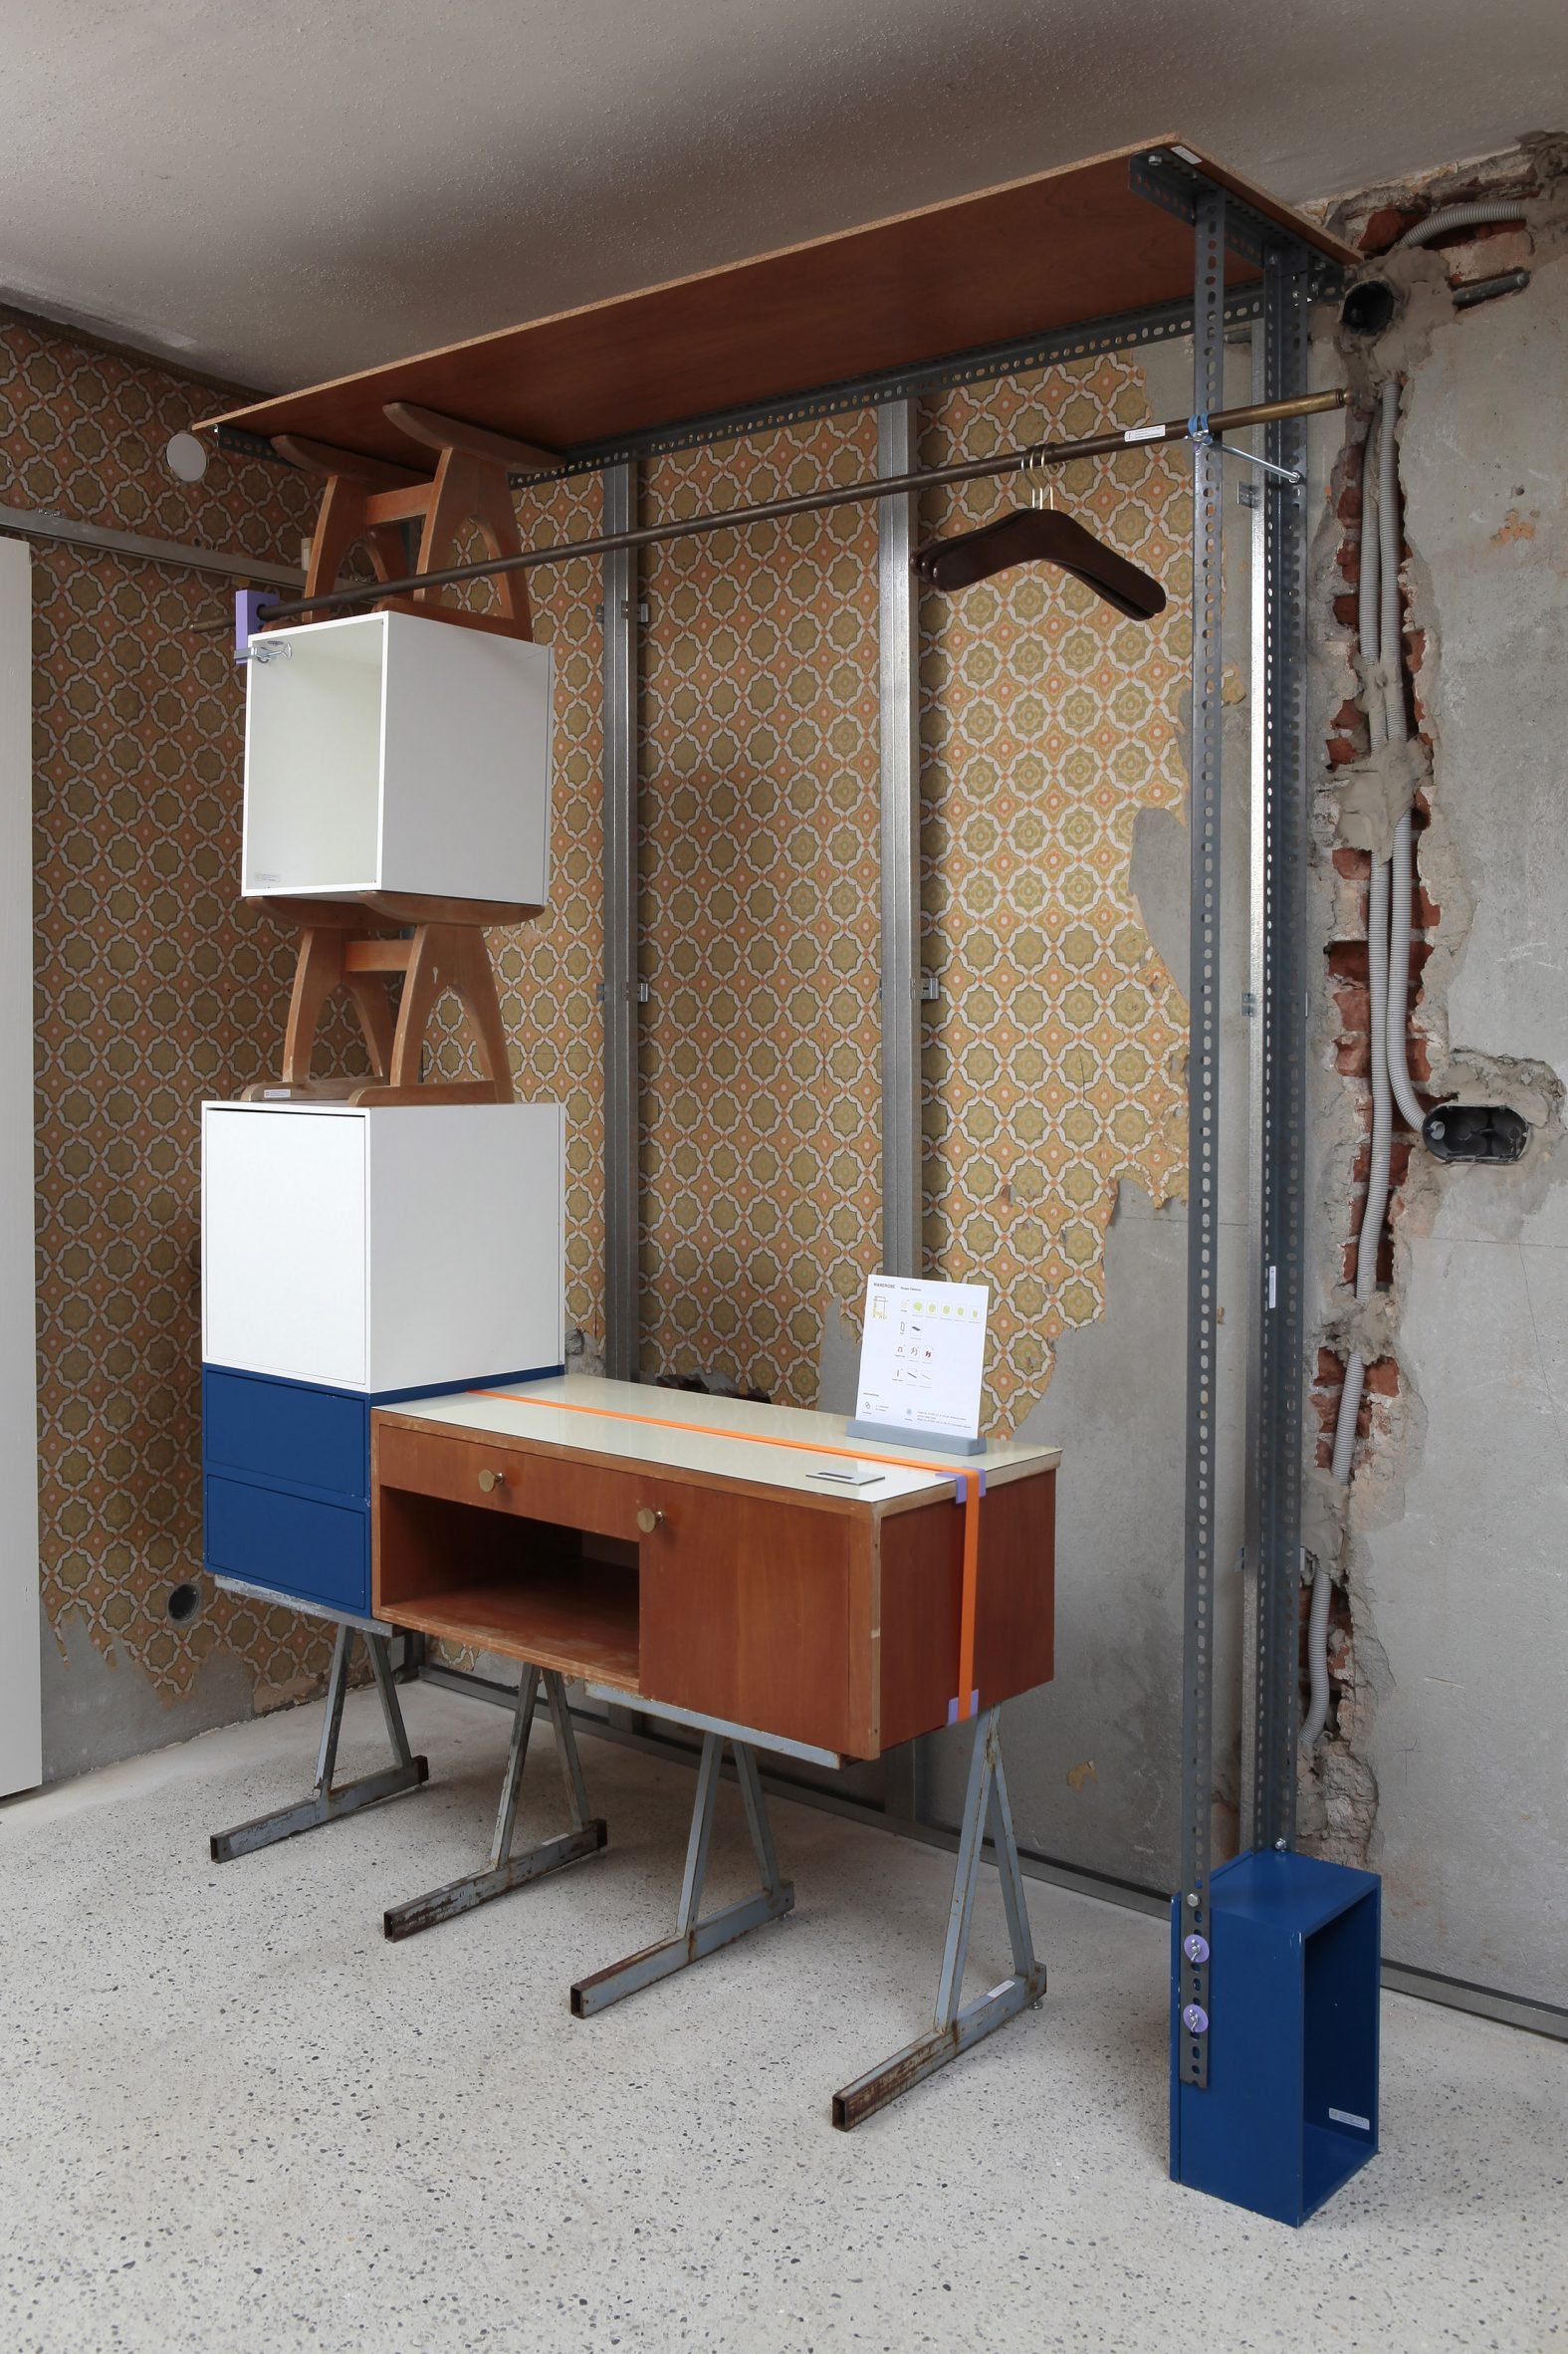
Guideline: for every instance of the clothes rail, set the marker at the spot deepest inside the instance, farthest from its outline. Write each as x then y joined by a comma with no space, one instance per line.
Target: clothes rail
888,486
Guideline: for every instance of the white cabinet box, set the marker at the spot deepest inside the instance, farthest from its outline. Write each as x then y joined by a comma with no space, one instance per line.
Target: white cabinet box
385,752
382,1247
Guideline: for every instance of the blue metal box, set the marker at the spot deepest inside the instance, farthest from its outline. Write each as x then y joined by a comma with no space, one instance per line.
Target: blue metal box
1290,2110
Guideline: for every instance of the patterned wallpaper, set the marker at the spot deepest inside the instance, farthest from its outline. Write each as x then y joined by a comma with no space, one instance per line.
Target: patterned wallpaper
547,973
1052,1059
156,986
760,921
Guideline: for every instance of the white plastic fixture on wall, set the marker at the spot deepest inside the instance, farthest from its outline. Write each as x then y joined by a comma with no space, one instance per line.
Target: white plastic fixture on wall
382,1247
389,752
21,1730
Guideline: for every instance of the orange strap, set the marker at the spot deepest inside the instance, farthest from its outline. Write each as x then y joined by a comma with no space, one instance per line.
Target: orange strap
970,1485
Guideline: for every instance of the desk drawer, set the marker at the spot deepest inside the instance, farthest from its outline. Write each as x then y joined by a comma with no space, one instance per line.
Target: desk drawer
524,1485
295,1544
274,1431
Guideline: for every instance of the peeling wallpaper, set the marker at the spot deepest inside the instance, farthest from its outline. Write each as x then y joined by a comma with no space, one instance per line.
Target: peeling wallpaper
1053,1060
1054,1064
155,987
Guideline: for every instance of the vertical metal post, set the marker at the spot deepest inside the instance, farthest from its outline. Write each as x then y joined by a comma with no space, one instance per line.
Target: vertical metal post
1203,1101
898,705
622,1202
1279,1307
899,708
1257,905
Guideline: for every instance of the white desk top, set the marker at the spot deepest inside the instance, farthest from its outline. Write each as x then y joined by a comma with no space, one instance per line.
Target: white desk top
719,1436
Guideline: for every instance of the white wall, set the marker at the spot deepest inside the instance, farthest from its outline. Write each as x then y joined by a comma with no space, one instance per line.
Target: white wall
20,1761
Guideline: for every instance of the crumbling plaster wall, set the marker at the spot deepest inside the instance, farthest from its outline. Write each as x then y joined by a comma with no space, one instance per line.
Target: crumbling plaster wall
1446,1763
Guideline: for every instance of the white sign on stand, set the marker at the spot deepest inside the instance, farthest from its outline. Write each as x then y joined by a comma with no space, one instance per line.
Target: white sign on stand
922,1360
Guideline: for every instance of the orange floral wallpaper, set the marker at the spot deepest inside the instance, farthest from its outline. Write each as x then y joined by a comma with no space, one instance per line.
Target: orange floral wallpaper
759,923
547,973
1052,1056
1055,1062
156,986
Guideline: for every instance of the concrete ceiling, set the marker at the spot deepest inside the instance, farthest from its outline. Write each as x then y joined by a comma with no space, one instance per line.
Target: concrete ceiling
285,193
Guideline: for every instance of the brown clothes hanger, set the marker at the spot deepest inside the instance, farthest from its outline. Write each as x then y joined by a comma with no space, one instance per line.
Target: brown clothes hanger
1039,535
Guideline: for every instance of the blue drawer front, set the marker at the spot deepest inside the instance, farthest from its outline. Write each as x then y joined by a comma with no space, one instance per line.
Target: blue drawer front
295,1544
273,1430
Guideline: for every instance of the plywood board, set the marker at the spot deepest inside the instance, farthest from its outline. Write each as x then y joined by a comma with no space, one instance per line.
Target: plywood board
1055,251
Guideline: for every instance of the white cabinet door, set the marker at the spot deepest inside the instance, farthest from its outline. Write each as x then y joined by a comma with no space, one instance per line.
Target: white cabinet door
284,1243
466,1242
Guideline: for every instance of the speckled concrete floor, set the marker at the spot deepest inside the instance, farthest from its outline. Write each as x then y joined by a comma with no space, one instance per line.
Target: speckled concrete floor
233,2117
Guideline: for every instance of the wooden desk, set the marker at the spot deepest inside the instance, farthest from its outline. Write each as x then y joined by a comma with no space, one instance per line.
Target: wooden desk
589,1527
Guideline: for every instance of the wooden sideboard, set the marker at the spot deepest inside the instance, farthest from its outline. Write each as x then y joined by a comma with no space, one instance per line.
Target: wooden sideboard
708,1554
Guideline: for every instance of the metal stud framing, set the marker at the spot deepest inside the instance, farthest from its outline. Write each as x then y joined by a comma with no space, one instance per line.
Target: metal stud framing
899,710
623,1332
1279,1307
1203,1097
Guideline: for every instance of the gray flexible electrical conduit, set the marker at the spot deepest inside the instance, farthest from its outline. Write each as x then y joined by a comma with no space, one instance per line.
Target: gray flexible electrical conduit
1459,216
1369,620
1369,634
1391,654
1317,1658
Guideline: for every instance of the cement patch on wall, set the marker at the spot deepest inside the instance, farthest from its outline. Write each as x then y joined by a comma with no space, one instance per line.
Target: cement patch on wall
1466,1584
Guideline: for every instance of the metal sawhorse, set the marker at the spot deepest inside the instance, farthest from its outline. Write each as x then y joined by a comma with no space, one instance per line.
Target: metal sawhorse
954,2029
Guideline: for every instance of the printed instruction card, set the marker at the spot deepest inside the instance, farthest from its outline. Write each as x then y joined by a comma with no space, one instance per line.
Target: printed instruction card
923,1355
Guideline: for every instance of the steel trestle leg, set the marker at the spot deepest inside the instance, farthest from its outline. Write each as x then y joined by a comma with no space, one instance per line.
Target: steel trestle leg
955,2030
506,1870
327,1804
695,1936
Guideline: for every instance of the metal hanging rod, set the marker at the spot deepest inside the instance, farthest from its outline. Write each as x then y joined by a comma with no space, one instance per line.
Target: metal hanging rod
887,486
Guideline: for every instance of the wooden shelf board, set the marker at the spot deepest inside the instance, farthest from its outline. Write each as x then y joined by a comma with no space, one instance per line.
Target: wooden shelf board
581,1622
1055,251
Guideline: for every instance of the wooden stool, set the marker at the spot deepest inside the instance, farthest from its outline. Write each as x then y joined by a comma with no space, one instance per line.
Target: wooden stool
345,942
369,500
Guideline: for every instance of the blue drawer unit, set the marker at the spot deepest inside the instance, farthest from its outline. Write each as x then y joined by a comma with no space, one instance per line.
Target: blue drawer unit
286,1482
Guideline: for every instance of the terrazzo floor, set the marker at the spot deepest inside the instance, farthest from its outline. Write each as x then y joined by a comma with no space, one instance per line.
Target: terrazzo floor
233,2117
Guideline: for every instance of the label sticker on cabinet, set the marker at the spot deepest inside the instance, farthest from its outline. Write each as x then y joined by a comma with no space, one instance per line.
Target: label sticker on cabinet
1349,2117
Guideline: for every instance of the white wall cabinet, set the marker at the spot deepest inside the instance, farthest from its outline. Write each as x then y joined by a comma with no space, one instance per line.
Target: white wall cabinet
382,1247
386,752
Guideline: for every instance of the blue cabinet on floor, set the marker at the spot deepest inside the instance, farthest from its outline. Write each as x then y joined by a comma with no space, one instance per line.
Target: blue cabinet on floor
1290,2110
286,1482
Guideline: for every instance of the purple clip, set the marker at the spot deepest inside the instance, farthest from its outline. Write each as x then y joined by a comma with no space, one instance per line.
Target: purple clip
974,1706
247,617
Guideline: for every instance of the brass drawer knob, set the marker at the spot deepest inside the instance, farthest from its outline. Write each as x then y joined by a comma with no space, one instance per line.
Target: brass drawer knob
489,1480
649,1518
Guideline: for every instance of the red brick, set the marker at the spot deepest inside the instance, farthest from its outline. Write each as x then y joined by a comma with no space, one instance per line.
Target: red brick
1383,1378
1355,865
1385,227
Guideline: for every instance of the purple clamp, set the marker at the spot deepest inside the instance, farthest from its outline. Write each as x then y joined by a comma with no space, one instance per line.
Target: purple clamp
247,617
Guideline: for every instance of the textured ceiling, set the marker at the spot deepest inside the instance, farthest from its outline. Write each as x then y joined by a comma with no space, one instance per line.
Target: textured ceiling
285,193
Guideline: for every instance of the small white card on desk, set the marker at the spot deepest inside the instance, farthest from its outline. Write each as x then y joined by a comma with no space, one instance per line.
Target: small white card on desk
922,1357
